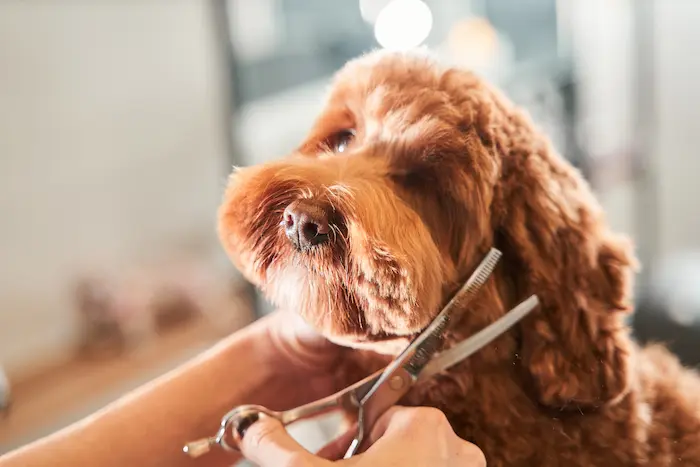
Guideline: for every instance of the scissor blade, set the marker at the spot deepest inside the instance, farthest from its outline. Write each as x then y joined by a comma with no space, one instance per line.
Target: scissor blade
469,346
423,347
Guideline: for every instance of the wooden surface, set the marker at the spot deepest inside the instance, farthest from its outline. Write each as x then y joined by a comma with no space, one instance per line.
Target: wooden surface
68,390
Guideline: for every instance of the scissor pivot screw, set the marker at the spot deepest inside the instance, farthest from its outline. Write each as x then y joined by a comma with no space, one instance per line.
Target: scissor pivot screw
396,382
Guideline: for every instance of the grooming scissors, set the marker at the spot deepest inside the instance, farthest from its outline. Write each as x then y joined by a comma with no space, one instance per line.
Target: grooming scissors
375,394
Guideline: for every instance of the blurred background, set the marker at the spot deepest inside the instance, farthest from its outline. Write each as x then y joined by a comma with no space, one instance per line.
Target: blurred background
120,120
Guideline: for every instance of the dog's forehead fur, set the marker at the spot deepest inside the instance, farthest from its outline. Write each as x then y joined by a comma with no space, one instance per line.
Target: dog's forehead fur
393,97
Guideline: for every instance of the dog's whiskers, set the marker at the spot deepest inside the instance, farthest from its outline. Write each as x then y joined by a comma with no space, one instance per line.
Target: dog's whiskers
338,233
305,193
336,190
273,199
330,198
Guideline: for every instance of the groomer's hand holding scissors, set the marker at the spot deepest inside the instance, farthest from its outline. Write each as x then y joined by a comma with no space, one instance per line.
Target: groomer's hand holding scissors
417,436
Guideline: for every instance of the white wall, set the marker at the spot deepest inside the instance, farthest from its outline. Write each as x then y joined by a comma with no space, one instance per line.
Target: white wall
112,148
602,45
677,97
606,58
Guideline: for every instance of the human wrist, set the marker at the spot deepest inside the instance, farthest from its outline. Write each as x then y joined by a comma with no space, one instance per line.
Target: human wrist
246,363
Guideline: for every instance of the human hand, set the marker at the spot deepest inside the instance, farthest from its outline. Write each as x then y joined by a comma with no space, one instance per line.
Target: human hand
418,436
303,365
294,346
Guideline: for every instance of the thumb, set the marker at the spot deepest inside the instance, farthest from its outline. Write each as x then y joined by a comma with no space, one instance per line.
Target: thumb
268,444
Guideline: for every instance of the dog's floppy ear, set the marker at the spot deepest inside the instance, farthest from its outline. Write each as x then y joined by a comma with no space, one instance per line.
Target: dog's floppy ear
576,347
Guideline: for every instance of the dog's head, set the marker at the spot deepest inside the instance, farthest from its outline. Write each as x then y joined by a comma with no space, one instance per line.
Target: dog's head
409,175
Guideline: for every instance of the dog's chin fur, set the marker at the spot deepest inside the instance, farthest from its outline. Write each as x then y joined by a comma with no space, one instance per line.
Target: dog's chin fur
441,168
286,289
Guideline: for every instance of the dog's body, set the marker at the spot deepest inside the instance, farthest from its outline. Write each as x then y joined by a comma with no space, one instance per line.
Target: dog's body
410,174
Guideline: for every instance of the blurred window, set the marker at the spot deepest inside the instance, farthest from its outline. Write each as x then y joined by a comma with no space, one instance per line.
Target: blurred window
280,44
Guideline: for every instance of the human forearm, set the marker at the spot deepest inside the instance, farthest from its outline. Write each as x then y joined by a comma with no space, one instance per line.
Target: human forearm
150,426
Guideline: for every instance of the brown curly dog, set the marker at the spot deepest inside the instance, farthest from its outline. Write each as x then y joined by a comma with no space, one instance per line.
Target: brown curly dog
410,174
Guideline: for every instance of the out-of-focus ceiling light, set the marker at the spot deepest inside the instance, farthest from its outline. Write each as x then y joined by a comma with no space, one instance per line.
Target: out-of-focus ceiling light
403,24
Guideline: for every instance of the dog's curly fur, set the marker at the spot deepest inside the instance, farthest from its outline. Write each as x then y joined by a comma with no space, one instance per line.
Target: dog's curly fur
442,167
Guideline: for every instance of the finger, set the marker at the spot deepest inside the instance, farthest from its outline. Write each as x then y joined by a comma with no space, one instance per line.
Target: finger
268,444
470,454
399,422
300,344
390,418
293,325
336,449
304,331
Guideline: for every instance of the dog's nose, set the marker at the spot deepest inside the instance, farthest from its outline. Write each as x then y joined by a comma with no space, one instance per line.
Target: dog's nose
306,224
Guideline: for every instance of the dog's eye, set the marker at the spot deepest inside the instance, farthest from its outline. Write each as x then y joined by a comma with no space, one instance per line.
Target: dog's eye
340,141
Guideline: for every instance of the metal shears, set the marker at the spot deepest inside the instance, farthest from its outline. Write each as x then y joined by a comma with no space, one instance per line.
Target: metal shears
375,394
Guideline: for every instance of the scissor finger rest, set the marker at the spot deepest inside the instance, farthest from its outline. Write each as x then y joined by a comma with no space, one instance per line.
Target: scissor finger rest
235,423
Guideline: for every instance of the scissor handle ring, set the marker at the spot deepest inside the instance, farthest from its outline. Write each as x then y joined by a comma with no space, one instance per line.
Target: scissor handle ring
237,422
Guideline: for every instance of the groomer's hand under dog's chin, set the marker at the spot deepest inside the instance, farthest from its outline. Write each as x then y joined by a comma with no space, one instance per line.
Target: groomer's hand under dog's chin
302,365
296,347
